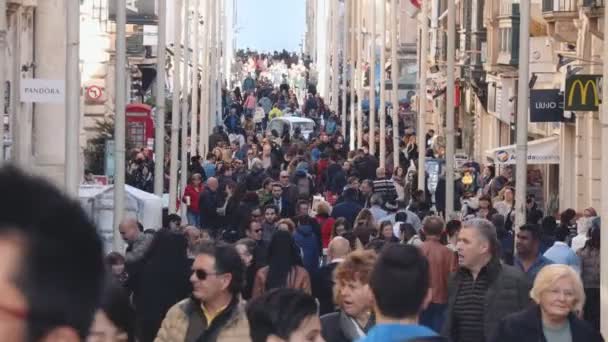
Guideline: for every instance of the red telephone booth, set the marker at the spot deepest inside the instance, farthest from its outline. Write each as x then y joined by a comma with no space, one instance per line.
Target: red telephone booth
140,125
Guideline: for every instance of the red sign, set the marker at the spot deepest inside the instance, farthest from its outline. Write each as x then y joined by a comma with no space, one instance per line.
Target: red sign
94,93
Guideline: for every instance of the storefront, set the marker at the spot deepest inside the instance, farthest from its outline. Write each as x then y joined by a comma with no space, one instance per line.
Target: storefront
543,169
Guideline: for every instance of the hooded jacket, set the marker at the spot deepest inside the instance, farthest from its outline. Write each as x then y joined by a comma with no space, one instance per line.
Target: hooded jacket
307,240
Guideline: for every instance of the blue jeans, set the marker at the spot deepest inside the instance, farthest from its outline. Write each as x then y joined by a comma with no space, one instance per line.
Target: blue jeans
434,316
193,218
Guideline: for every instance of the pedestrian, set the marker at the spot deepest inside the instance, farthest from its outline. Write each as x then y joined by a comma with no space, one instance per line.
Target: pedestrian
355,301
269,226
559,297
284,267
253,231
325,221
384,186
215,311
194,236
114,319
408,235
533,213
286,225
308,238
560,253
375,208
246,249
284,315
399,283
349,208
208,203
442,262
590,274
386,232
166,259
548,227
567,221
505,238
51,262
528,258
482,290
583,226
506,206
485,209
191,197
137,241
323,282
116,263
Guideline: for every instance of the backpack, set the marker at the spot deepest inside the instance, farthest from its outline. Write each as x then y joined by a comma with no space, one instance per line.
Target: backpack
307,241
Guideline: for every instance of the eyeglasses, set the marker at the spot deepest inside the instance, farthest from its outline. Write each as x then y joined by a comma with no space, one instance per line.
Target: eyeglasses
202,274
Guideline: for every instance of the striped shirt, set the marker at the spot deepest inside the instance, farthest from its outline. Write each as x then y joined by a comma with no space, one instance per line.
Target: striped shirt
469,307
385,188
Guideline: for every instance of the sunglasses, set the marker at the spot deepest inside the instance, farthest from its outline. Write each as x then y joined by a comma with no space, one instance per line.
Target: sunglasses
202,274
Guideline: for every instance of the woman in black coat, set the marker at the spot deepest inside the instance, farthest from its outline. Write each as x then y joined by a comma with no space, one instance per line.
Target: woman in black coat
158,281
558,293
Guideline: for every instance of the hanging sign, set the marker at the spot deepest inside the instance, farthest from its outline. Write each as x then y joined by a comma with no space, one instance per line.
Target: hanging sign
583,92
546,105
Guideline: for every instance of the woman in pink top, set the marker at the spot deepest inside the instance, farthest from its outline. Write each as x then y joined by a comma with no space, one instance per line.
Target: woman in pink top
250,103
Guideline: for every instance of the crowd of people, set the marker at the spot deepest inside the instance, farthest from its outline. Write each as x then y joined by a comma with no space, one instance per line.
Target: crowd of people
189,284
293,238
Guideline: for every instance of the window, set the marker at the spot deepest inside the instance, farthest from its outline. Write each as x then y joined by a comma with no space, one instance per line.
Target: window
136,134
492,97
277,125
304,126
506,44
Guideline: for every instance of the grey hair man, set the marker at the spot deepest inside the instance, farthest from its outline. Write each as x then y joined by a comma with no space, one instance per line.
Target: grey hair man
483,290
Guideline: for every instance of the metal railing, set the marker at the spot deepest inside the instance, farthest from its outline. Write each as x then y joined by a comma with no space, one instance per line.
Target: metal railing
593,3
560,5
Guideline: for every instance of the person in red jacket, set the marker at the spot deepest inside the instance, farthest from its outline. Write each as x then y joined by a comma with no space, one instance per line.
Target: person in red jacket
191,197
325,221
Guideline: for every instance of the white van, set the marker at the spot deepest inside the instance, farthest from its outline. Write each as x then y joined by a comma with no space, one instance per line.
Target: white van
306,125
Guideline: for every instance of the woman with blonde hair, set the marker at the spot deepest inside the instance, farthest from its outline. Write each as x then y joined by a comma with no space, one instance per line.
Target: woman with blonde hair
559,297
353,297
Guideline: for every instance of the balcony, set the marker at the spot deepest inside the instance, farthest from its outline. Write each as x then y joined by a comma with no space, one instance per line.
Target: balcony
594,10
593,3
560,16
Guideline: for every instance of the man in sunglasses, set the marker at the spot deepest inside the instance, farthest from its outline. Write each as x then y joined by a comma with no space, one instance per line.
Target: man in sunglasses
215,311
255,232
51,266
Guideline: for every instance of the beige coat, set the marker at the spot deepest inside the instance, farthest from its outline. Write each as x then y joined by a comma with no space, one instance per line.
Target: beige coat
175,325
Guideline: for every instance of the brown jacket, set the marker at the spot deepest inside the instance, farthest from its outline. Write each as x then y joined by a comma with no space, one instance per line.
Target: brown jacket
298,278
442,262
175,325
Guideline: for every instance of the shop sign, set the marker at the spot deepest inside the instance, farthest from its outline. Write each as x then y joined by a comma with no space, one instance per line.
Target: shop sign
583,92
546,105
38,90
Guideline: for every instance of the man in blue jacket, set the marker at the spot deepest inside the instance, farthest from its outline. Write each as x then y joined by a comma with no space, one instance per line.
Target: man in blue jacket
400,285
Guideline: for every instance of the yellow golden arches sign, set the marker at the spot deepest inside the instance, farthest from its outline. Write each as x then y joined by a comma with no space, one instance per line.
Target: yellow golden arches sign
583,92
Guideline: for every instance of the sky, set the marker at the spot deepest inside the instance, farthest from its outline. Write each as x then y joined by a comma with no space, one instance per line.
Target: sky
268,25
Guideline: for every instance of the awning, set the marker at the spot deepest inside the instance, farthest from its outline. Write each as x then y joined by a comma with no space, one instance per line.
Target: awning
540,151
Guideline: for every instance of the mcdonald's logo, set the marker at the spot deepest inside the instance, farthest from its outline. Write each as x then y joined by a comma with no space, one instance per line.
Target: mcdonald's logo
583,92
